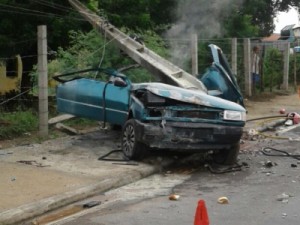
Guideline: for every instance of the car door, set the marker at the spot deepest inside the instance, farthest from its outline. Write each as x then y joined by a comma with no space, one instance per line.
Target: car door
95,99
116,101
219,79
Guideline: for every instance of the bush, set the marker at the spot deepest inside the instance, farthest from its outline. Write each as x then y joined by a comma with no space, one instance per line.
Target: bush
272,69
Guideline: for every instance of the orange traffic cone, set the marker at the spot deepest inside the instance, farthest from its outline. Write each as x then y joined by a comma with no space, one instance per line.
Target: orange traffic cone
201,216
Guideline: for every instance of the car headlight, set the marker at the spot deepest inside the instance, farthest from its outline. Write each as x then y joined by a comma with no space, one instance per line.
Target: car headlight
234,115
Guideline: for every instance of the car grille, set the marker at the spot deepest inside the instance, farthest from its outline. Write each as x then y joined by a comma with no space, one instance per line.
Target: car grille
197,114
194,133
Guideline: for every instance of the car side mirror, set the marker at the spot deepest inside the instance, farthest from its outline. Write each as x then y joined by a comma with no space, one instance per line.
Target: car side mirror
120,83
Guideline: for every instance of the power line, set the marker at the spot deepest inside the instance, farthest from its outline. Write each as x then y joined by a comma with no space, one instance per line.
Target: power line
10,99
24,11
54,5
41,15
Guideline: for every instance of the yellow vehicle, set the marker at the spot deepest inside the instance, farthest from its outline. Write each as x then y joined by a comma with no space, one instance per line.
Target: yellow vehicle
10,74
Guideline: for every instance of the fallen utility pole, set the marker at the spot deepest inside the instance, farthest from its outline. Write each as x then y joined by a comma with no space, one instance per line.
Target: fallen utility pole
161,68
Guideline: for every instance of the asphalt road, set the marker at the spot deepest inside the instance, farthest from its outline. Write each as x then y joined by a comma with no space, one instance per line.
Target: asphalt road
265,191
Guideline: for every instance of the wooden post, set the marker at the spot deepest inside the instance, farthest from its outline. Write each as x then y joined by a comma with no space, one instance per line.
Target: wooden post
285,84
234,56
247,66
194,52
43,81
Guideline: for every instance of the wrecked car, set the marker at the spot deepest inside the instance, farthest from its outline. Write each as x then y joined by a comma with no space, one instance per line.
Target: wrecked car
157,116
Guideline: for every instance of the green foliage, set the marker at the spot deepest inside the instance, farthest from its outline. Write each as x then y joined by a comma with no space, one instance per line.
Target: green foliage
131,13
263,12
139,14
91,50
240,26
20,20
294,67
204,57
272,67
17,123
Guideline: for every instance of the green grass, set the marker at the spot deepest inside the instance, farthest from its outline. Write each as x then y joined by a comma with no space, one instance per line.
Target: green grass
26,124
16,124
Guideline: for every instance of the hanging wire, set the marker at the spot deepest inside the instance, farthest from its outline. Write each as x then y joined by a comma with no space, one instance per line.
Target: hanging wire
102,57
20,10
54,5
10,99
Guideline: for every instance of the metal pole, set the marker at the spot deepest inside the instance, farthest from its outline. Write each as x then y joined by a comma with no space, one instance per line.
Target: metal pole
43,81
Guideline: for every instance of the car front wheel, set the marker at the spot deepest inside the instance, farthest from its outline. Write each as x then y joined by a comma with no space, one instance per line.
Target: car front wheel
132,149
227,156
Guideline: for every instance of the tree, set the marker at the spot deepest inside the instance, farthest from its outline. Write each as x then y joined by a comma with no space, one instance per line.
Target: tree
263,12
19,21
240,26
18,24
138,14
130,13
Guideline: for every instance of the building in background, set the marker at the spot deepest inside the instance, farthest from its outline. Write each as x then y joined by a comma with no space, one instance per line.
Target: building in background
11,70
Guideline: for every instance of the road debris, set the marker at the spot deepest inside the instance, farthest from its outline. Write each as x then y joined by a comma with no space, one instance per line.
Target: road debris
289,123
269,151
283,197
295,117
6,153
223,200
66,128
32,162
174,197
126,163
282,111
218,169
269,164
91,204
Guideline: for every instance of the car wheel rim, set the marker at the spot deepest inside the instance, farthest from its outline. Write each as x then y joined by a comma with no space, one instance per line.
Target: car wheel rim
128,140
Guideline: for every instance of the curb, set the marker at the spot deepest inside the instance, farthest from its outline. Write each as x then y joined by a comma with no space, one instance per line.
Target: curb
31,210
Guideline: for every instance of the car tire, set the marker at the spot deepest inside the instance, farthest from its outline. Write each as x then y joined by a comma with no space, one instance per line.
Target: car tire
227,156
132,149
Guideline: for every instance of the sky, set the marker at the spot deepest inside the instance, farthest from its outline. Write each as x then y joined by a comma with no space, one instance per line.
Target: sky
283,19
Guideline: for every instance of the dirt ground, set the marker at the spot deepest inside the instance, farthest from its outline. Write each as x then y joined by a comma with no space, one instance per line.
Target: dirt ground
269,105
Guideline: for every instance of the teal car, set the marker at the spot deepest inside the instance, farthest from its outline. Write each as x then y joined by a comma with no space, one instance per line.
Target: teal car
157,116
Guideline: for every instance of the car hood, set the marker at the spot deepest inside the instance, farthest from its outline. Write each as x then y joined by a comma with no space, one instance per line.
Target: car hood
187,95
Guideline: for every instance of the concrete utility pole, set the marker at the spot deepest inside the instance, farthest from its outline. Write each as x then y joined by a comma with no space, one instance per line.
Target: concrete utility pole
194,52
43,81
285,84
247,66
234,56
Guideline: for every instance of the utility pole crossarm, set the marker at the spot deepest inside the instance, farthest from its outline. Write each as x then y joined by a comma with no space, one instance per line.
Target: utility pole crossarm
161,68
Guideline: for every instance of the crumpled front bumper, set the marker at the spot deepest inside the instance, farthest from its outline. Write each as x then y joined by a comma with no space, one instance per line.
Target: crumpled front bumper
187,136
